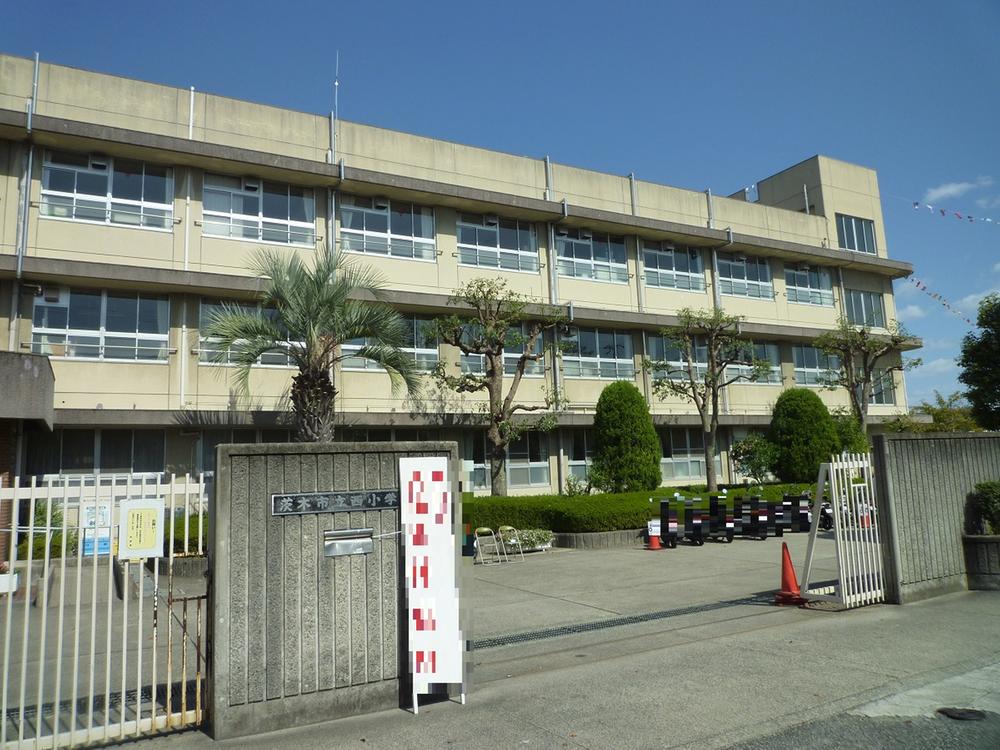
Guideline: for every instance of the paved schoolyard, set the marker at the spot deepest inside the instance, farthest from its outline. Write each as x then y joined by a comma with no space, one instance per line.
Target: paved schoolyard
571,586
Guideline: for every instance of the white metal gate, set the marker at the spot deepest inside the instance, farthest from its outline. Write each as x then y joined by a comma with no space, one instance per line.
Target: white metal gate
851,489
96,648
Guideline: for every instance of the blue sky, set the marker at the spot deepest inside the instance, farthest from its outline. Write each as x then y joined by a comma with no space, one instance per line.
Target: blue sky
691,94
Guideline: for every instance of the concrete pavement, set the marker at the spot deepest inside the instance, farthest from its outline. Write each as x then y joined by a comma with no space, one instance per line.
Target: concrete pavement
710,679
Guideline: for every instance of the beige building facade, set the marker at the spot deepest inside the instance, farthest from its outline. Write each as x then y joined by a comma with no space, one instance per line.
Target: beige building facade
129,209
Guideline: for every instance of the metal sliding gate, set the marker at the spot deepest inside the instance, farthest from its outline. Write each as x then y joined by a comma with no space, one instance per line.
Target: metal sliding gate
96,648
850,483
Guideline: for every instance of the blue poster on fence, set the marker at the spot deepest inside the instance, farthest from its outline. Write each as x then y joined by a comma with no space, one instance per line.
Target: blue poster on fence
95,520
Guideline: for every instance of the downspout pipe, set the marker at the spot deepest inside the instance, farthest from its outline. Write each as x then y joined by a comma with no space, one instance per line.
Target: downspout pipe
23,214
717,297
556,380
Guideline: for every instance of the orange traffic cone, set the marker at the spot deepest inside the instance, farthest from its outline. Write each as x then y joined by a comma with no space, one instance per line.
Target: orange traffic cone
789,593
654,542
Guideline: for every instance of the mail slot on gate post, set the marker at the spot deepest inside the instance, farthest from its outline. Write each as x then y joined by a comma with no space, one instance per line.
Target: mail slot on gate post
347,542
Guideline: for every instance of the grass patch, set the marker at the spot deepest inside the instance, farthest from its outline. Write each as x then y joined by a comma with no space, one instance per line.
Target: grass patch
589,513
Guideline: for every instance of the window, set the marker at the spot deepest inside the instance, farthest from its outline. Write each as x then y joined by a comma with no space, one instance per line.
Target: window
813,366
808,285
591,255
865,308
108,451
528,460
210,350
856,234
512,351
100,325
661,349
212,439
107,190
421,344
494,242
581,453
252,209
475,453
745,277
768,353
684,454
381,226
673,268
883,388
598,353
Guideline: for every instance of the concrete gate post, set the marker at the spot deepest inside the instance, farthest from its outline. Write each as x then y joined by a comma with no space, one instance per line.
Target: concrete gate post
307,624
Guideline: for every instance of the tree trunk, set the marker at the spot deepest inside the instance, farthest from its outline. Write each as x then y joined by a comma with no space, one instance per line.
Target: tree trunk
313,397
711,477
498,471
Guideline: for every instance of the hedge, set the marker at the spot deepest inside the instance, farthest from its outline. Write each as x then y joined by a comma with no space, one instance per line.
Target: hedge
587,513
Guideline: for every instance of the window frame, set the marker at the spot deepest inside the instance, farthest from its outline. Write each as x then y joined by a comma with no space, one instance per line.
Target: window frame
883,388
805,293
574,465
688,454
826,369
104,202
305,230
426,358
622,371
729,285
515,464
473,255
773,375
845,237
101,334
206,352
655,276
377,243
475,364
861,297
97,457
571,266
658,341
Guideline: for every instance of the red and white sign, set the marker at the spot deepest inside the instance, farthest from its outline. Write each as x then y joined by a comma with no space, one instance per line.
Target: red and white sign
430,548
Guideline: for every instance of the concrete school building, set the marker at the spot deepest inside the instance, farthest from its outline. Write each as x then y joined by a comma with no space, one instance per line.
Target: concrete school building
129,210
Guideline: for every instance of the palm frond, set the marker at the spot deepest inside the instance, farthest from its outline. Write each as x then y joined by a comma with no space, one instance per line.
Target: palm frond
400,366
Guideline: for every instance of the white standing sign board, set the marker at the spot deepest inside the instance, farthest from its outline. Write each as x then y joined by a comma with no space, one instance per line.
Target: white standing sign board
436,650
140,529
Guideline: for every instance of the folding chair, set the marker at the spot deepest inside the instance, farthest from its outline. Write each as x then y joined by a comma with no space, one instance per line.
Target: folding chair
488,549
510,541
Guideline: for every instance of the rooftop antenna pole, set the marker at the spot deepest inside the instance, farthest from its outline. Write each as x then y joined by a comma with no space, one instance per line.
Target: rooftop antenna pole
333,115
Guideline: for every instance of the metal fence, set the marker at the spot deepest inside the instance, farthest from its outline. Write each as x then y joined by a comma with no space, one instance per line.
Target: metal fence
96,648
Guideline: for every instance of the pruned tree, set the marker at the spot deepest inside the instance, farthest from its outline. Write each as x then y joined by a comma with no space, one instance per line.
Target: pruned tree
865,357
498,332
709,354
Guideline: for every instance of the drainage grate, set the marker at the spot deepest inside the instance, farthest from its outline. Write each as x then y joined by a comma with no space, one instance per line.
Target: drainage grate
617,622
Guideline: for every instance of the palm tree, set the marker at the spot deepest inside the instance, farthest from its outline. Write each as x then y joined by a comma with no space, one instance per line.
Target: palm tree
309,314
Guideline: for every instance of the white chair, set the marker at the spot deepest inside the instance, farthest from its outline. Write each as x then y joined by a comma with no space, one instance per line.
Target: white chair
488,549
510,542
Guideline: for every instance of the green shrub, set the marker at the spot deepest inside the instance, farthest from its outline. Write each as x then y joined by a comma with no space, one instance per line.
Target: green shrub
754,456
54,535
850,436
803,434
626,448
987,505
192,533
611,512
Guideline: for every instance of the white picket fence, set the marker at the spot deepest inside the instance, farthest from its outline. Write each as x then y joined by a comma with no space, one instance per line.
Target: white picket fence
97,649
849,483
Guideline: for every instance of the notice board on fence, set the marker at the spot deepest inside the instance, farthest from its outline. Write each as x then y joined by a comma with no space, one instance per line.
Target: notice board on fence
427,508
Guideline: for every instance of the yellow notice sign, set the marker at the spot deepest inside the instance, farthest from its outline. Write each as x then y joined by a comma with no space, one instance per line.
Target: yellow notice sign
140,529
142,525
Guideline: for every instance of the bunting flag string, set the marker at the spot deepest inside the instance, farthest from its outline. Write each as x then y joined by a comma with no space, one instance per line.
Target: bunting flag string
947,212
939,298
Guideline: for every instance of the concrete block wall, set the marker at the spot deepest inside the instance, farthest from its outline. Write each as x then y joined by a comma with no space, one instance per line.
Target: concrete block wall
923,485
